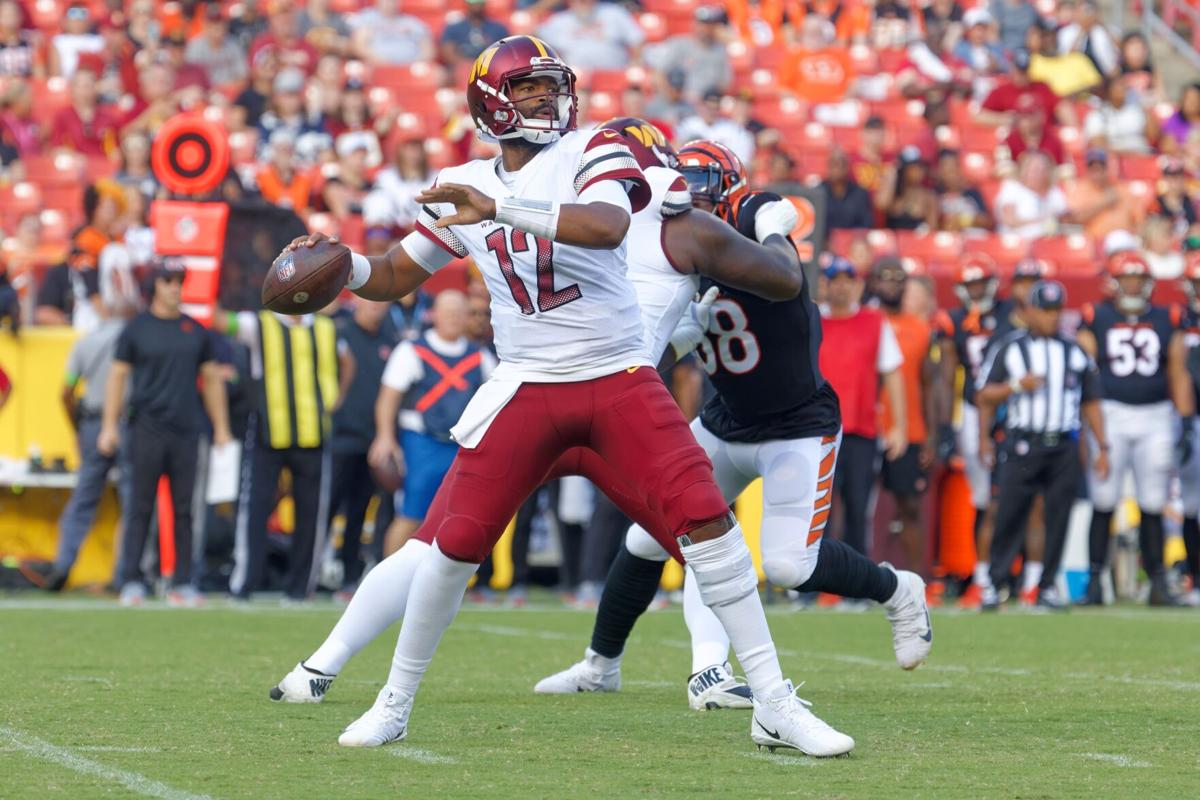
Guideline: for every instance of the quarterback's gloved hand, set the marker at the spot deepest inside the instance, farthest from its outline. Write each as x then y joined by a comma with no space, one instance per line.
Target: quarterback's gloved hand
947,443
776,217
1185,444
694,324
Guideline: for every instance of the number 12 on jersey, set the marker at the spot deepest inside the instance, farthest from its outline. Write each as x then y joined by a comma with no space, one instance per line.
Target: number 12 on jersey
547,298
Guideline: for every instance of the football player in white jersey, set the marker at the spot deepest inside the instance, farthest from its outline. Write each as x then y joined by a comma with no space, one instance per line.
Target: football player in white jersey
546,222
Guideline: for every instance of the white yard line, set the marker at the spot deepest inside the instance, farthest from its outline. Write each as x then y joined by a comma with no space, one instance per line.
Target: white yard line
418,755
1116,760
70,759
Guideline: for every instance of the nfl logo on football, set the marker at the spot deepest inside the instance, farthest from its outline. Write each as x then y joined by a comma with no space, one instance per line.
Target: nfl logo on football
285,268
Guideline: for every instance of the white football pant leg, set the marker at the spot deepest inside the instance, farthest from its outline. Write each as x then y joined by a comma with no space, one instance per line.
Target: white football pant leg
979,477
1117,421
1153,454
797,480
1189,479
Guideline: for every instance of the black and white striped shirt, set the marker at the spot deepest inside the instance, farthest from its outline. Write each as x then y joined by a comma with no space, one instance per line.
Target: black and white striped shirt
1069,379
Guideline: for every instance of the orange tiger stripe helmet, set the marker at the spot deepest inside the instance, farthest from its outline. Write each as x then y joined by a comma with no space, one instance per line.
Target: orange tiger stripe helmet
714,175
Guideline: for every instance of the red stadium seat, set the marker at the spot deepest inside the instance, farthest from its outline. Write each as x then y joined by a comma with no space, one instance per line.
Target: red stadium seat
602,106
522,22
979,166
654,26
613,81
49,95
1005,249
20,199
1140,168
1070,254
942,247
420,76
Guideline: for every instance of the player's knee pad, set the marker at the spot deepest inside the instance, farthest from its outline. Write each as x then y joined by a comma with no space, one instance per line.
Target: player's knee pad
790,482
723,568
464,539
686,488
641,544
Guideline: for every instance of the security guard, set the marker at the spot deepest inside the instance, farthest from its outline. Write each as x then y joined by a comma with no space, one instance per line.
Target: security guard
303,371
1047,382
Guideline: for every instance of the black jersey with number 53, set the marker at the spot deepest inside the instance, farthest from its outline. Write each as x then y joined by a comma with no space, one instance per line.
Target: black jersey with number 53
762,358
1131,351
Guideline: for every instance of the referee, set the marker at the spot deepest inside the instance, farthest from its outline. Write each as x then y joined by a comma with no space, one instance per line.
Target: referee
1047,382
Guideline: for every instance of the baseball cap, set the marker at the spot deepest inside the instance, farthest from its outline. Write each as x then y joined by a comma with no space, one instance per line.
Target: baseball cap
887,264
167,267
1030,268
1028,104
1048,294
1119,241
977,16
838,266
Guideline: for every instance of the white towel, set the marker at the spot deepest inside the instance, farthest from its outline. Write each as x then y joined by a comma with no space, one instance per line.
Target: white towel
484,407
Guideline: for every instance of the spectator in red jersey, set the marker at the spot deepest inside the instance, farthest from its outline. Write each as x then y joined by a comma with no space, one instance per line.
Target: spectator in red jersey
191,83
118,71
18,47
1032,133
961,206
1000,106
859,352
283,36
216,52
1120,124
20,134
908,203
155,103
84,126
76,39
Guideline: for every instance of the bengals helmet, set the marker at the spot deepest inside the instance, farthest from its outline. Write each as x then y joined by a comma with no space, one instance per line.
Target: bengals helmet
714,174
1130,264
489,98
977,268
647,143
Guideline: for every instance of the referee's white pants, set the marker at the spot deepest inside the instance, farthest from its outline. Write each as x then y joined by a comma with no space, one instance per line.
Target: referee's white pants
797,492
1140,441
979,477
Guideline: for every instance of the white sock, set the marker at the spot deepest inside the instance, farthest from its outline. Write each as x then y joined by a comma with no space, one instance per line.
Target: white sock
710,645
725,573
377,604
983,574
602,663
436,594
1033,576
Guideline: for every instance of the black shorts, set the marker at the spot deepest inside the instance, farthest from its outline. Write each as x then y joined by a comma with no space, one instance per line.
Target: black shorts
904,476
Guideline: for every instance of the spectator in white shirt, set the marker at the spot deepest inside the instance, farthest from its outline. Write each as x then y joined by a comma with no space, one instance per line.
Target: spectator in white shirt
1030,205
1088,35
75,40
1120,123
594,35
393,203
699,55
383,35
710,123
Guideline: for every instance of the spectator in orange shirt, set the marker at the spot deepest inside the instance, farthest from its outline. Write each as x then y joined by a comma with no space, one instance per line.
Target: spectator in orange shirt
817,70
1099,203
907,477
280,181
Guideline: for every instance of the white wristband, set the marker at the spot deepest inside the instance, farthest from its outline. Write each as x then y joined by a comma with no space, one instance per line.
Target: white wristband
360,271
539,217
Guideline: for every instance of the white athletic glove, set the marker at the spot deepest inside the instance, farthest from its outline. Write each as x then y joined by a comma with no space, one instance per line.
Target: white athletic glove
778,216
693,325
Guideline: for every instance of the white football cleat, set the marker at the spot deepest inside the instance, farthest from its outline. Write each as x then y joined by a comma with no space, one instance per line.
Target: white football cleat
716,687
912,633
384,722
785,721
589,675
302,685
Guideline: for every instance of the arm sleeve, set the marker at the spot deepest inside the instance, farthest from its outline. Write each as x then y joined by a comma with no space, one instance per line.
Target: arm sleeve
426,250
208,349
403,368
125,350
889,357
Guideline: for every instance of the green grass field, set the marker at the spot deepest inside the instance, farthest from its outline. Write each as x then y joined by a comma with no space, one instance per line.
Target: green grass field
100,702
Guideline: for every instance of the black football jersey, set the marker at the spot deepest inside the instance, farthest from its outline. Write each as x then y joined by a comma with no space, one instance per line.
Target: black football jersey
1191,339
970,334
1131,351
762,359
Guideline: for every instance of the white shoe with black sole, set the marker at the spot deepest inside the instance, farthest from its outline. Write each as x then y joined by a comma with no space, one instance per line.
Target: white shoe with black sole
384,722
302,685
716,687
785,721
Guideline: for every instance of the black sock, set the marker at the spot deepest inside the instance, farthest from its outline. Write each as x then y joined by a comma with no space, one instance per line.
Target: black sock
1191,543
1150,539
844,571
630,588
980,513
1098,537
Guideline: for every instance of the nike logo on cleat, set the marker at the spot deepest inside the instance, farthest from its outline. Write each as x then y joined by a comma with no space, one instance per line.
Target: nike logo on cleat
928,634
319,686
766,730
704,681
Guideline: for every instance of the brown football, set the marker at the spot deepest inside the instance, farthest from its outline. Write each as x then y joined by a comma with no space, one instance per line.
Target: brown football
389,477
306,279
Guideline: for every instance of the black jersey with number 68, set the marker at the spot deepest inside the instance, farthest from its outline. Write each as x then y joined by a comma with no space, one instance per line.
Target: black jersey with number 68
762,357
1131,351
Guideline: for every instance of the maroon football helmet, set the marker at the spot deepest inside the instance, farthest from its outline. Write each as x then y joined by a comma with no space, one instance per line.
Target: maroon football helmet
647,143
489,99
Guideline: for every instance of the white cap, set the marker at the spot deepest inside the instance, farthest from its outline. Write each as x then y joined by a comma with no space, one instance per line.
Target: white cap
977,16
1119,241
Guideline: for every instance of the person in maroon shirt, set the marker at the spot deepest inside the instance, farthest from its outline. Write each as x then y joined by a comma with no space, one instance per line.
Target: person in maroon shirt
283,35
85,126
1032,133
1000,106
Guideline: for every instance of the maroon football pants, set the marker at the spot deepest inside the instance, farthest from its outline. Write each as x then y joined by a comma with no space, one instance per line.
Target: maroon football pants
623,432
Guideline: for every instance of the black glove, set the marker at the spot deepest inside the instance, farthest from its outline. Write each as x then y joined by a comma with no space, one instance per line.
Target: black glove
1185,445
947,443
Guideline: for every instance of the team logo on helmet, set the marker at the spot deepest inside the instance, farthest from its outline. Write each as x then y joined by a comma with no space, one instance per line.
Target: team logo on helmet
489,91
647,143
714,174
